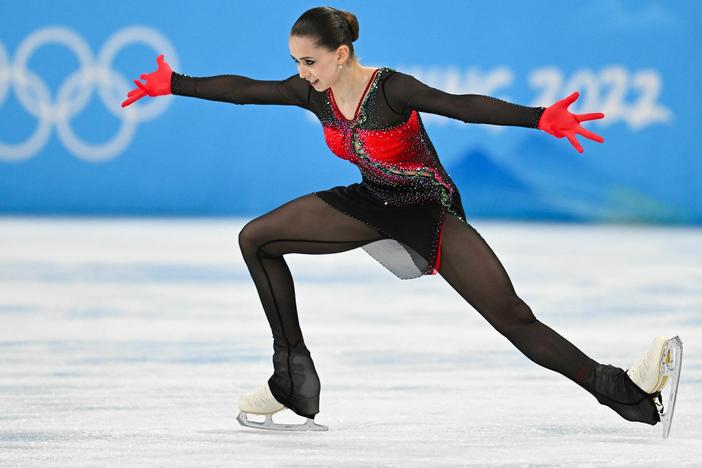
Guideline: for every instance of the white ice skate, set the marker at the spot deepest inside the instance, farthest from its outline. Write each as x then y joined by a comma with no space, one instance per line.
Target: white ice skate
262,402
661,363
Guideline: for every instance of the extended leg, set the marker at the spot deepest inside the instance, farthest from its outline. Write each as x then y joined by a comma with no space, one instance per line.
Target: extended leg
471,267
305,225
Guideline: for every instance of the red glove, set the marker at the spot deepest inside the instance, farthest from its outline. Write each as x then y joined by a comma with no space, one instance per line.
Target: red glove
158,83
559,122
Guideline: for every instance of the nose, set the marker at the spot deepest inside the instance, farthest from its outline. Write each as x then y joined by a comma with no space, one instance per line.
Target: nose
301,72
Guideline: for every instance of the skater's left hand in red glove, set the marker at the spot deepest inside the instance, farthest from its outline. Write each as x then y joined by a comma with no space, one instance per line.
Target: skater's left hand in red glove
559,122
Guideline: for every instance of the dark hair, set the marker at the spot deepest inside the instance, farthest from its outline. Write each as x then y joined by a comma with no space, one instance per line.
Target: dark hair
328,27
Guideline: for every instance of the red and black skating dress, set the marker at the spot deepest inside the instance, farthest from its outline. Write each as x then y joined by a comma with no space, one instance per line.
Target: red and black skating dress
405,193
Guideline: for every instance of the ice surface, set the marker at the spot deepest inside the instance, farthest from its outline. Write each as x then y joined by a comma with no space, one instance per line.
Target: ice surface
128,343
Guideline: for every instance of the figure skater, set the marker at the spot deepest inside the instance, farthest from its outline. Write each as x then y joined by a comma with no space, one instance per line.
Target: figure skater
406,213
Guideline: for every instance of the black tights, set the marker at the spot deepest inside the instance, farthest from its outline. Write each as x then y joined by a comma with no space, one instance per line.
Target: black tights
309,225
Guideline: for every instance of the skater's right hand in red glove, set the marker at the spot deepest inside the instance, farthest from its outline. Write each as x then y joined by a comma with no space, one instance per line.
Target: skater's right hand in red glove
158,83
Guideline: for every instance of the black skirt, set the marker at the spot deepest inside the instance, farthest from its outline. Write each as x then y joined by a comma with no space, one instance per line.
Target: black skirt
412,244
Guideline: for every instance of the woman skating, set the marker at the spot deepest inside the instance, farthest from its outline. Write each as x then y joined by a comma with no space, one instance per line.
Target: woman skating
406,213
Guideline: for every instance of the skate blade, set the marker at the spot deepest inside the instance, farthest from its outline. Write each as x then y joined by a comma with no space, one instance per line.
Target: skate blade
664,360
308,425
671,367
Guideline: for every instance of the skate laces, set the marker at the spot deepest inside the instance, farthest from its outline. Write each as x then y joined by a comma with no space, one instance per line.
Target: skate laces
258,398
641,368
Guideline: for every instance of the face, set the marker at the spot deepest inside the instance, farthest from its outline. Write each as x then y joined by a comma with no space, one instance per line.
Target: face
316,64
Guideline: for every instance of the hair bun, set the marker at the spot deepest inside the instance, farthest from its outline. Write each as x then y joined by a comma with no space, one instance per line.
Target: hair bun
353,24
328,27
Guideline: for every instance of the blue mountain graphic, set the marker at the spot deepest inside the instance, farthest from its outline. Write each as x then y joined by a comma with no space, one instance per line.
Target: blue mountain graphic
548,163
490,190
569,181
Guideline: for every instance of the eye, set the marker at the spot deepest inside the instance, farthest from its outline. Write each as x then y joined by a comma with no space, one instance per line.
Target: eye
307,62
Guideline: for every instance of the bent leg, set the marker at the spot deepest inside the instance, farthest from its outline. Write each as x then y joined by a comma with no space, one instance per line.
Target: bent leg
305,225
471,267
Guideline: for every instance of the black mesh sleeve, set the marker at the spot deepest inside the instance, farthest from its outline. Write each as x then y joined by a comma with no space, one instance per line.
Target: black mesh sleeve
237,89
405,92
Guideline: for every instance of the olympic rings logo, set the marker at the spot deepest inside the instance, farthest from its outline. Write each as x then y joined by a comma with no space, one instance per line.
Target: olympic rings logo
75,92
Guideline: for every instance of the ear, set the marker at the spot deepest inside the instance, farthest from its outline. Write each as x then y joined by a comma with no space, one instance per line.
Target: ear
342,53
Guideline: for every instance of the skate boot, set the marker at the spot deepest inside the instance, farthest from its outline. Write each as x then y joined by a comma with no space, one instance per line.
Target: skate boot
661,364
646,371
262,402
294,385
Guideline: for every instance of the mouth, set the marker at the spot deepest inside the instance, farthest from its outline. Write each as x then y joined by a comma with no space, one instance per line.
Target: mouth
313,83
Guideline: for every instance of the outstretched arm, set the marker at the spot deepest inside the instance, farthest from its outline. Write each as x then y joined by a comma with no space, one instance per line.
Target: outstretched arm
239,89
406,92
236,89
